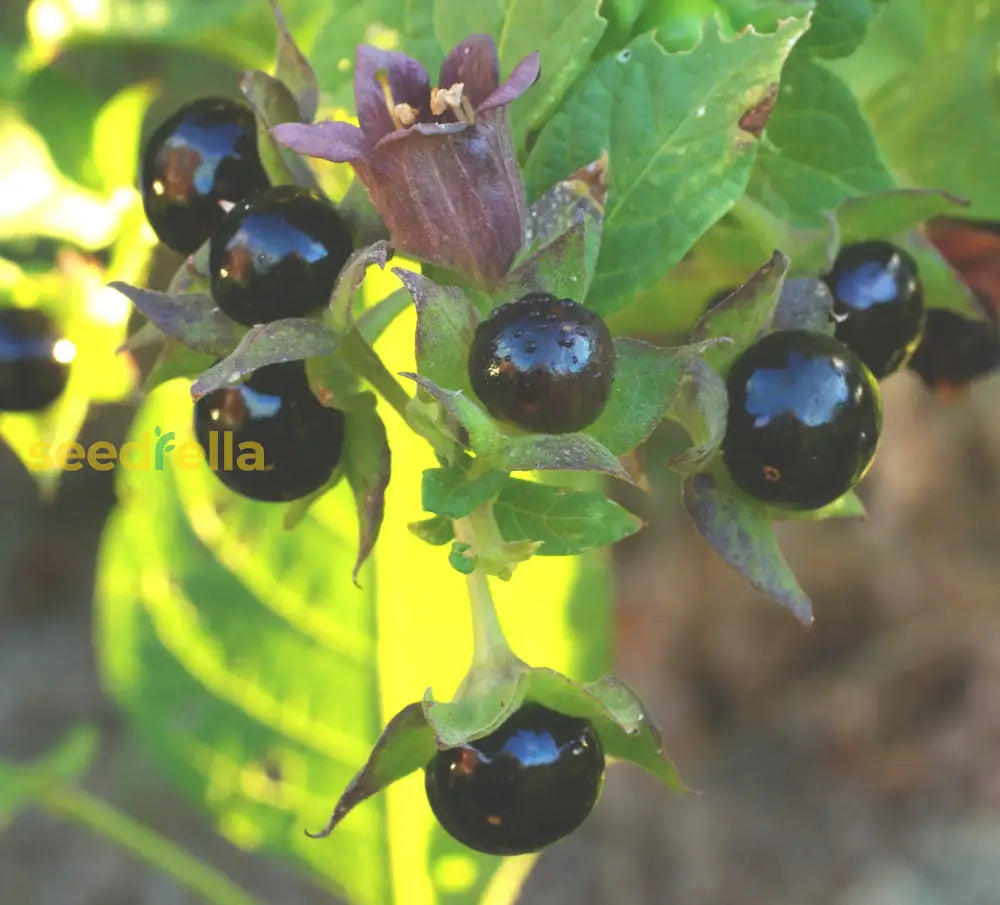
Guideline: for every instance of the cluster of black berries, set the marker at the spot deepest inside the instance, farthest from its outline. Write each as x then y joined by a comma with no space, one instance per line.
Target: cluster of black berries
275,253
805,409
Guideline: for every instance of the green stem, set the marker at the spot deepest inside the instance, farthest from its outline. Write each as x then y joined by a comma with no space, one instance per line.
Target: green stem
149,846
490,647
365,361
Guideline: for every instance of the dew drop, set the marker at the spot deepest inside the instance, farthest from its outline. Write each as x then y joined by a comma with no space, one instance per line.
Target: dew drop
530,348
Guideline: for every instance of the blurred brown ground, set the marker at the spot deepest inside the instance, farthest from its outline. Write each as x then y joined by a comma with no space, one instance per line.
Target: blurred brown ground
853,763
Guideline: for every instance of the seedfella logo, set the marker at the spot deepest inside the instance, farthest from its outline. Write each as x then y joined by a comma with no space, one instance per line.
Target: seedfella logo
148,452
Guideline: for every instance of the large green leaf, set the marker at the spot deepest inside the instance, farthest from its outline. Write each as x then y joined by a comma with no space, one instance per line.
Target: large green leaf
818,149
679,156
565,32
938,120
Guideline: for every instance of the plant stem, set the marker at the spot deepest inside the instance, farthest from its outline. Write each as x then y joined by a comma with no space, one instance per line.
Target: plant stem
490,647
146,844
356,352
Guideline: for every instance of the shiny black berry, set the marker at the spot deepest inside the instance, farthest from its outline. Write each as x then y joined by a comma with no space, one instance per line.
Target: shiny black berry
878,303
276,254
300,439
543,363
955,350
804,419
34,360
204,153
522,787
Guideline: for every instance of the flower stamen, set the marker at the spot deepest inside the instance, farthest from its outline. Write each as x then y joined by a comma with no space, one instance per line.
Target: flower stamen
382,78
405,114
454,99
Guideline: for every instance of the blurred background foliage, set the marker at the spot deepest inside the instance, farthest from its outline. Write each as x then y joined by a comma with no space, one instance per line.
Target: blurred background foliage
262,705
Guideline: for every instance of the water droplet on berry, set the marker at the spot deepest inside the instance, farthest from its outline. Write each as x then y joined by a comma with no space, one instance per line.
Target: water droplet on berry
530,347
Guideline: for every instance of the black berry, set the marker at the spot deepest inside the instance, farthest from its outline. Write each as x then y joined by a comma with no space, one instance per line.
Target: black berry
34,360
301,439
204,153
804,419
878,303
955,350
543,363
277,254
522,787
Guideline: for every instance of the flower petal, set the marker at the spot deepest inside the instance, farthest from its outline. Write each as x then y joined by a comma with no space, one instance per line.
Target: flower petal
407,81
336,141
453,197
474,63
524,75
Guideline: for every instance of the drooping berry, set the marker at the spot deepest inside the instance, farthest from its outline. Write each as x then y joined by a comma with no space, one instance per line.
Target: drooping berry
277,253
543,363
804,419
955,350
204,153
878,304
34,360
520,788
300,439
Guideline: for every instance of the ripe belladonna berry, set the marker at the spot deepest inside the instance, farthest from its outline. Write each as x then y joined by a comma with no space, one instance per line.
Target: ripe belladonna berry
274,407
804,419
878,304
277,253
204,153
520,788
34,360
543,363
955,350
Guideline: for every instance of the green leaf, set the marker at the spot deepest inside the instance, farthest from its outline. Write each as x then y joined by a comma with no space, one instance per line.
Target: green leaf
625,729
818,149
436,531
560,268
679,157
293,69
477,714
838,27
198,589
288,339
455,20
406,744
565,32
700,407
566,521
646,380
352,275
117,127
366,461
742,534
555,452
480,433
744,315
451,492
886,214
273,103
446,324
937,120
193,318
